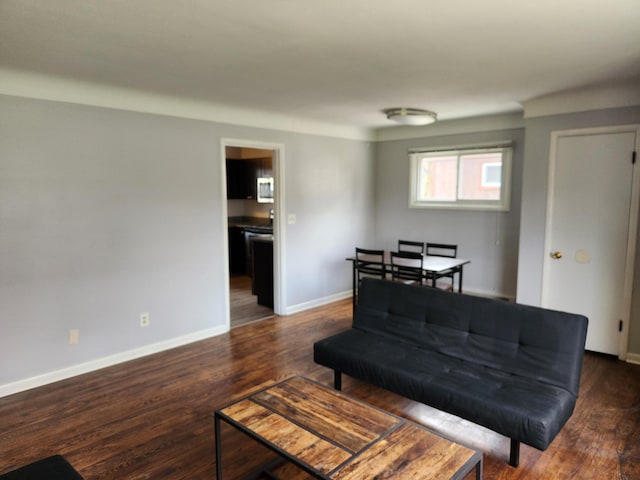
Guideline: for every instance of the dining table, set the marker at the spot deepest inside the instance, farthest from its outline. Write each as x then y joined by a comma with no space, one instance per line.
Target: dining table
431,264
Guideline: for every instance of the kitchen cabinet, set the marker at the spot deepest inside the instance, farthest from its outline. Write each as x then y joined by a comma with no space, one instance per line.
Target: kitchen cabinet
241,179
240,235
262,266
237,251
242,175
265,168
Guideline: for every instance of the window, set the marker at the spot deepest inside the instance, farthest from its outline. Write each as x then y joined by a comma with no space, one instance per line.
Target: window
464,178
492,174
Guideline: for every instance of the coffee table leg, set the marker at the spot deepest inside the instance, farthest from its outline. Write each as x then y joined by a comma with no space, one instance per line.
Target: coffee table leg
218,447
479,470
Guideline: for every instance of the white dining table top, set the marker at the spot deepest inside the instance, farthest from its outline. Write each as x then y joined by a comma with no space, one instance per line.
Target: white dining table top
430,263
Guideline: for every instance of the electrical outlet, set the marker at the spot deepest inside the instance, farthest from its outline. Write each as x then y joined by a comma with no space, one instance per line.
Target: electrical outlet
144,320
292,219
74,336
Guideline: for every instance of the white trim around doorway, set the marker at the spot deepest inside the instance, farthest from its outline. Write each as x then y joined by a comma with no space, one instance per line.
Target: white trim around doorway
279,257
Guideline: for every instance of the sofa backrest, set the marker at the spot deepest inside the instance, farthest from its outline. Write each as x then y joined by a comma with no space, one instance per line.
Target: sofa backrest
544,344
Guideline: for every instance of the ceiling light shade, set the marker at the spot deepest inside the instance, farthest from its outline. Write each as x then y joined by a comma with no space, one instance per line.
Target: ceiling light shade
411,116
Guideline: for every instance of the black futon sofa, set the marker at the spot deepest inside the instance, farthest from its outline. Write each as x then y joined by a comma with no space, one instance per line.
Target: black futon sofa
512,368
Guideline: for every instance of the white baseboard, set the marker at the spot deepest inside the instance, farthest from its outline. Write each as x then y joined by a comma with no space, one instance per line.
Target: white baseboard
74,370
68,372
318,302
633,358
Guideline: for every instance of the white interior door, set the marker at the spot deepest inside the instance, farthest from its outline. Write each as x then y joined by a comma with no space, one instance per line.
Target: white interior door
589,249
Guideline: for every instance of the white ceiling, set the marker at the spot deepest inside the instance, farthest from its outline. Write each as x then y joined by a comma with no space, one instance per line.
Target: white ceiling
334,61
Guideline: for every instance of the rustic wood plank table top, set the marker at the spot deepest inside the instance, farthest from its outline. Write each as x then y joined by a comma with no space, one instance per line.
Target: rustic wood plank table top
331,435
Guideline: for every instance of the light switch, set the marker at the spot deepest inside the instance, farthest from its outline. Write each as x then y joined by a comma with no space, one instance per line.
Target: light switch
291,218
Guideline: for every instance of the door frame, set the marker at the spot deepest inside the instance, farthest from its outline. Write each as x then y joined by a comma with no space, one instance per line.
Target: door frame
634,209
279,301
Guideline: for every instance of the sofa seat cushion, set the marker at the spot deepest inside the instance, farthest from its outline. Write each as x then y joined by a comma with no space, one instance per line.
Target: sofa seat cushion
522,409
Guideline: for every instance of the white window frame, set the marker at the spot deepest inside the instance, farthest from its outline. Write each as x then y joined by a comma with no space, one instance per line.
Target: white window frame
502,205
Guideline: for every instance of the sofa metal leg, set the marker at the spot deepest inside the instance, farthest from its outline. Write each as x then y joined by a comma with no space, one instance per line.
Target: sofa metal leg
337,380
514,455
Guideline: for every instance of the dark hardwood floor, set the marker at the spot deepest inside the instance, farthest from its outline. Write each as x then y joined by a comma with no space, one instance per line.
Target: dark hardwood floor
243,304
152,418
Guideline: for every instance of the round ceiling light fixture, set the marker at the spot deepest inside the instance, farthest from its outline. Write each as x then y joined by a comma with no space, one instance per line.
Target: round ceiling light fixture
411,116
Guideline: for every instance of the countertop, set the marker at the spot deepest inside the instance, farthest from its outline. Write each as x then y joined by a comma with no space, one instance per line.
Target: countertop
249,222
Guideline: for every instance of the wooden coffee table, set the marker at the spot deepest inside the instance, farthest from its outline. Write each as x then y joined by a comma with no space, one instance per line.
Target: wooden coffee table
331,435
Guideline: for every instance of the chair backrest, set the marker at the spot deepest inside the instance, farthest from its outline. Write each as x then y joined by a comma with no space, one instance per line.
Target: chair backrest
407,266
370,263
410,246
442,250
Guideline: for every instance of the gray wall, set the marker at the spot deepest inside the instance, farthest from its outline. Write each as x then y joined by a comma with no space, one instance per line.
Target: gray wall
488,239
534,201
105,214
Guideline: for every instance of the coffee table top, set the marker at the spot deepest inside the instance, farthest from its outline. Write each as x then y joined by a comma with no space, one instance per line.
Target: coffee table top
336,436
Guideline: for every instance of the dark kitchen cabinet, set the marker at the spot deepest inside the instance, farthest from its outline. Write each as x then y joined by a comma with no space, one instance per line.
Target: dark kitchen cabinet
262,258
242,175
237,251
241,179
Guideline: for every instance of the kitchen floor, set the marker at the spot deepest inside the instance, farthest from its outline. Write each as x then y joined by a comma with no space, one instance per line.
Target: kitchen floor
244,305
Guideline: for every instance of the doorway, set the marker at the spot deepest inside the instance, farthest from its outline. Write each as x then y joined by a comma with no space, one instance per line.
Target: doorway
251,172
592,210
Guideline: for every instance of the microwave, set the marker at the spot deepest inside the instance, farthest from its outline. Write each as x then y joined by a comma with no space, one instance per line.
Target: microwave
265,190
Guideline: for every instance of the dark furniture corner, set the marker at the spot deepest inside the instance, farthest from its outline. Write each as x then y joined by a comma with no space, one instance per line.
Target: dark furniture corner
50,468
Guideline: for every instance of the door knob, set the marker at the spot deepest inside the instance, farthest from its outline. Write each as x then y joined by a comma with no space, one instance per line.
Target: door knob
556,255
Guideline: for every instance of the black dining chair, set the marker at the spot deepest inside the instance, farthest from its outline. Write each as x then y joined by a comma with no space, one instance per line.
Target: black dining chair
443,250
407,267
410,246
368,263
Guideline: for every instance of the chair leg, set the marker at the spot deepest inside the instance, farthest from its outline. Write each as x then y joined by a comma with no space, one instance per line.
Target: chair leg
354,286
